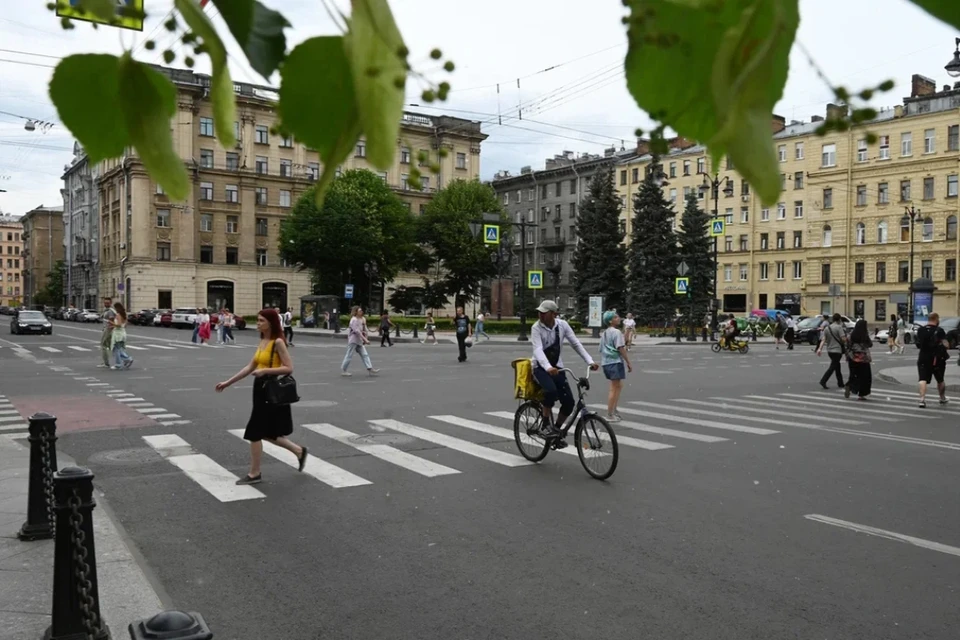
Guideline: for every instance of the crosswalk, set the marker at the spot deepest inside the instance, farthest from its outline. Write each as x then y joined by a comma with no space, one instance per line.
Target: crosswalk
488,439
12,424
93,348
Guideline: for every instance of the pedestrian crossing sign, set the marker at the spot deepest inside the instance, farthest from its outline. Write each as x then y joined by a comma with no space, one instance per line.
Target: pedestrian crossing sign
682,286
717,228
535,279
491,234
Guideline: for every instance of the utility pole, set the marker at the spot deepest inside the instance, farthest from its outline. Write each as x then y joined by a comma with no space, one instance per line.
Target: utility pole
714,186
914,215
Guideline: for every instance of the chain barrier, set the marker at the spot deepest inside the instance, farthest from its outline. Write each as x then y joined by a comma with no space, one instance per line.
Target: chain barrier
81,569
48,478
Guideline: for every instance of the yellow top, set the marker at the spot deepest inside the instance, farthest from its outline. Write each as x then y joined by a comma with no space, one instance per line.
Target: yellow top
262,357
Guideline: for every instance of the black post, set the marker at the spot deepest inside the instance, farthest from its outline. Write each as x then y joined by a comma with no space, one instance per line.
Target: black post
398,330
523,284
415,336
753,326
43,463
171,625
715,184
913,215
76,600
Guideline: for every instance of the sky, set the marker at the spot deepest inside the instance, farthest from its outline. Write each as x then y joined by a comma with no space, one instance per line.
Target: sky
567,59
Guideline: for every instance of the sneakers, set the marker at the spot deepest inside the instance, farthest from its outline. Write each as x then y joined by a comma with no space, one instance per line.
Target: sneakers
128,364
922,404
373,372
257,479
943,401
345,374
613,417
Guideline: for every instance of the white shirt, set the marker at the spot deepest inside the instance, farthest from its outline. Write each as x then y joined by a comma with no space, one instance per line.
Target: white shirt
203,318
480,318
542,337
629,323
285,318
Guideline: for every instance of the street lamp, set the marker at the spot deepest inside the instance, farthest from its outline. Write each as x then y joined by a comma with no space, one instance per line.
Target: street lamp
914,216
953,67
714,187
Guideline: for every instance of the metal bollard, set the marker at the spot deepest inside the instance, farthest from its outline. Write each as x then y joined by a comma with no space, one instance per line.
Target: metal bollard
754,333
40,524
703,334
415,336
171,625
76,600
677,331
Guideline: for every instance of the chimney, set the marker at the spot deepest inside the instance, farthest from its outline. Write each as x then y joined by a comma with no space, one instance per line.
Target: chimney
898,111
550,163
609,152
836,111
643,146
922,86
816,118
779,123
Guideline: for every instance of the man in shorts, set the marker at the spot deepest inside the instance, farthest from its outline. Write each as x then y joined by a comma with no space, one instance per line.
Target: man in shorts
932,361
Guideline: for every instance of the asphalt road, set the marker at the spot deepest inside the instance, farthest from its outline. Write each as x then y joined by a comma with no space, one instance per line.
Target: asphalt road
778,510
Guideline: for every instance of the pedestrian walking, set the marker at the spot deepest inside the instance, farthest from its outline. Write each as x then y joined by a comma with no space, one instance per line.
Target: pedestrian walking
431,328
203,327
790,333
932,361
481,320
613,356
778,329
357,340
835,340
106,337
220,316
118,338
196,327
629,330
901,334
892,334
270,422
229,322
858,356
385,326
288,326
464,333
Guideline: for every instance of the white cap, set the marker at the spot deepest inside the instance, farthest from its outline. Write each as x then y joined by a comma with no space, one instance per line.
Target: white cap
547,306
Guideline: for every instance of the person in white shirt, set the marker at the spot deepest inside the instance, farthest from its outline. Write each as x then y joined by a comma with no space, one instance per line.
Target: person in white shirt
629,330
287,319
547,336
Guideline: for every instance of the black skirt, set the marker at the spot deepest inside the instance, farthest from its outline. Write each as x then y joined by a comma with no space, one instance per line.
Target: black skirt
267,421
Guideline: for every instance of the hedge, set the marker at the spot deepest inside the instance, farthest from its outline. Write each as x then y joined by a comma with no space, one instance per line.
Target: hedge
406,323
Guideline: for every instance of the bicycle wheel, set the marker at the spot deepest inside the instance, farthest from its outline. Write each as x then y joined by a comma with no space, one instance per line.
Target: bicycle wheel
744,348
526,431
596,446
715,347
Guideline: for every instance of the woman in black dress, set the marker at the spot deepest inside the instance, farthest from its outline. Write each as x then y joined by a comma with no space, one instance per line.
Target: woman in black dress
859,358
269,422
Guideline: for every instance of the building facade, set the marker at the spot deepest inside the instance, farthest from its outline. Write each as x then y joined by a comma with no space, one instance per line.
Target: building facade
42,249
81,231
219,247
11,254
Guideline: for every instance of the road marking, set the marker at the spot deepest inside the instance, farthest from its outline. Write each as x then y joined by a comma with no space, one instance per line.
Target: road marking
15,418
133,348
153,410
98,384
51,349
322,470
882,417
128,399
194,389
721,403
213,478
119,394
700,423
669,432
163,416
624,440
7,412
714,414
818,405
463,446
883,533
160,346
169,423
13,427
891,407
489,429
76,348
386,453
140,404
933,399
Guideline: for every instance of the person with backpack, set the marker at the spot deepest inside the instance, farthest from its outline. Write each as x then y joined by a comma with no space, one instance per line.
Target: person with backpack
859,359
892,333
932,361
835,340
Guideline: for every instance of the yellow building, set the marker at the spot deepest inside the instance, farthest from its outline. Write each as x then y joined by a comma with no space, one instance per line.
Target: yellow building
11,268
219,246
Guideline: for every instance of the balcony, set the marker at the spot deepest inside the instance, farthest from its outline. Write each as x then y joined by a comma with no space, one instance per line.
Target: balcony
555,241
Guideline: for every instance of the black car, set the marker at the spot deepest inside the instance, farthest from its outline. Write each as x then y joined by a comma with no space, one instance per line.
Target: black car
31,322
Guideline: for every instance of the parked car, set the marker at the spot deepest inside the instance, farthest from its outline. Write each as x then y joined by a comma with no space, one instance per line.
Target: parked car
808,329
158,317
166,318
31,322
883,336
239,322
184,318
72,314
88,315
143,317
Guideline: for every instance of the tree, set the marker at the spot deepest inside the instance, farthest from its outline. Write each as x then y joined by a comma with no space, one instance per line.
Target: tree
599,259
52,292
696,249
463,260
362,234
653,254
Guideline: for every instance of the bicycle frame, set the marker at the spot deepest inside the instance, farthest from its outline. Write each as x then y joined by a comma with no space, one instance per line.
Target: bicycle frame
580,410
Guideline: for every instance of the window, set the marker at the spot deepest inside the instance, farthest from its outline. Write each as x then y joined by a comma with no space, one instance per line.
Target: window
780,270
926,269
953,137
798,151
797,270
744,214
543,190
884,147
782,152
825,273
261,257
558,189
206,127
163,251
286,143
233,194
905,229
461,161
883,193
261,134
783,182
686,167
764,271
827,237
232,255
206,191
929,144
861,233
744,243
261,226
744,273
881,272
519,196
262,165
904,191
951,227
206,158
828,157
261,195
952,186
727,273
858,272
635,175
728,216
361,150
232,224
882,232
313,171
531,194
206,222
765,215
286,168
383,176
673,169
798,239
764,241
424,183
284,198
405,155
880,310
798,180
862,150
745,189
557,212
781,211
236,134
233,161
728,244
701,165
573,210
623,177
405,185
928,229
798,209
828,198
206,254
928,189
906,144
903,271
781,240
673,195
163,218
950,270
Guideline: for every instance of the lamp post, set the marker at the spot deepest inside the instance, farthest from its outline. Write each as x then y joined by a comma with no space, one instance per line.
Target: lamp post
913,215
493,218
953,67
714,186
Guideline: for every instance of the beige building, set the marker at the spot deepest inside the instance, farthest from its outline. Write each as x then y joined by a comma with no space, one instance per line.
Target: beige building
219,246
839,238
42,249
11,254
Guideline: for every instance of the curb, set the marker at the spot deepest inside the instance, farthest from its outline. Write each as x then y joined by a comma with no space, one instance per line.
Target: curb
952,387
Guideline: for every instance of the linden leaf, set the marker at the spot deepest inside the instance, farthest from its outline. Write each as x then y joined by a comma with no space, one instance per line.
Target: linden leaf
258,30
946,10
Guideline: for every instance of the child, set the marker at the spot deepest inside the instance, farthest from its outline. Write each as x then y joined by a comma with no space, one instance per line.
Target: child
613,354
431,328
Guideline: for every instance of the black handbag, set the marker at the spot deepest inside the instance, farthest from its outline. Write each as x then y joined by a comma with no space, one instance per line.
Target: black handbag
280,390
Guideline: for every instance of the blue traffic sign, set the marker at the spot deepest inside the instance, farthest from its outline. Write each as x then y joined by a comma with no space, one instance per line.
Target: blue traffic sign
717,228
682,286
348,291
535,279
491,234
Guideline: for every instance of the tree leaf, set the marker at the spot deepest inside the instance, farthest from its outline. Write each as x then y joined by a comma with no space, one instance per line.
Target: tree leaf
735,57
946,10
148,101
258,30
373,47
221,86
86,91
105,10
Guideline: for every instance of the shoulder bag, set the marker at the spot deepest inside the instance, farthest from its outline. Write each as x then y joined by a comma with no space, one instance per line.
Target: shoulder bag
280,390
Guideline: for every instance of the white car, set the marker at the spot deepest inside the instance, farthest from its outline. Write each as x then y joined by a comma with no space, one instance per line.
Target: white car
184,318
159,314
884,334
88,315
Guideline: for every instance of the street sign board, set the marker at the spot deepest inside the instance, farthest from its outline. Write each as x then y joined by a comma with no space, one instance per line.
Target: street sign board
491,234
595,314
683,269
717,227
71,9
348,291
682,286
535,279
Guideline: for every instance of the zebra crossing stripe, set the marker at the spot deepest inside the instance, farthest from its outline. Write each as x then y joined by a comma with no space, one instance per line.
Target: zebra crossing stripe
133,348
75,348
715,413
13,427
152,410
170,423
386,453
15,418
128,399
624,440
7,412
902,410
882,416
818,405
489,429
673,433
160,346
163,416
463,446
51,349
724,403
213,478
322,470
711,424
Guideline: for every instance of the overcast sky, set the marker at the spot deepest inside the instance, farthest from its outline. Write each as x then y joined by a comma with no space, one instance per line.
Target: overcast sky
581,104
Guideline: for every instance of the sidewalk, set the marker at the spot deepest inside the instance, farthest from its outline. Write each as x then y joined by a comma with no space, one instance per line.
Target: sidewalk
26,568
908,376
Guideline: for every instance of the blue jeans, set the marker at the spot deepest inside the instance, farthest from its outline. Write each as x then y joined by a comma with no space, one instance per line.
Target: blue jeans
353,348
480,332
196,330
120,356
555,388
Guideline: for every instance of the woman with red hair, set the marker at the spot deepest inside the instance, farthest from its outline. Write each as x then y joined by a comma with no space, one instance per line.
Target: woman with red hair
271,422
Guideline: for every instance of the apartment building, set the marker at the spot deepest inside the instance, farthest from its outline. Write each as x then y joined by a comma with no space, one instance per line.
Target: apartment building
219,247
81,231
42,248
11,253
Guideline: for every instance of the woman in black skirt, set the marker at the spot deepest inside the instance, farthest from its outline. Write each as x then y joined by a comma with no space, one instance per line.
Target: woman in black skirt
267,421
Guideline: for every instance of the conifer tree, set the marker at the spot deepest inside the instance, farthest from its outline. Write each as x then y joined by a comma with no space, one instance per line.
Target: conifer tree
599,259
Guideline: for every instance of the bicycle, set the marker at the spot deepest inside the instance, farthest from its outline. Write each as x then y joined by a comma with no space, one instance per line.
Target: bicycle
593,437
738,345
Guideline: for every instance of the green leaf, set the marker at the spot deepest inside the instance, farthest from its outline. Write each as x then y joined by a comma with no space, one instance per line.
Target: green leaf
86,91
221,86
946,10
105,10
373,45
735,56
259,32
148,102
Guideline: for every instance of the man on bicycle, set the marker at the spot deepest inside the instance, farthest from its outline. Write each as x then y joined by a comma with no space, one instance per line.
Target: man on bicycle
546,336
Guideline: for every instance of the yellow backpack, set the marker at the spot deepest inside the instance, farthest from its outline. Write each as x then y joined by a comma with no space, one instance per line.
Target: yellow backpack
524,386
